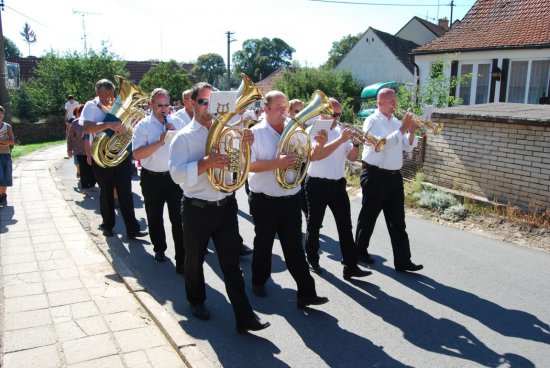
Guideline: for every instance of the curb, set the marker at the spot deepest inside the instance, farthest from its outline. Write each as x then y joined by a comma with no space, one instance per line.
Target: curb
184,344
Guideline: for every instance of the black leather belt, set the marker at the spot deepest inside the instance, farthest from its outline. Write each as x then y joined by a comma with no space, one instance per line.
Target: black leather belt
155,173
203,203
379,169
284,198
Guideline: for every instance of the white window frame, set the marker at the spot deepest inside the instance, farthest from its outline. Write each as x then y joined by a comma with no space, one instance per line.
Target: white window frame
528,81
473,82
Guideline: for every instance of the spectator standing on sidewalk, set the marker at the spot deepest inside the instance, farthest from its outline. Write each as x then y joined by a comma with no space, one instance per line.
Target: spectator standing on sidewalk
6,140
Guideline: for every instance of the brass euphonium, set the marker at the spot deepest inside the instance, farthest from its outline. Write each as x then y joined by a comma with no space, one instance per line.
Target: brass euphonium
109,149
360,137
227,139
295,141
434,127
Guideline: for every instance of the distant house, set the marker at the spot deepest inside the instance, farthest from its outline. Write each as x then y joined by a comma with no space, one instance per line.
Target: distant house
379,56
136,69
504,45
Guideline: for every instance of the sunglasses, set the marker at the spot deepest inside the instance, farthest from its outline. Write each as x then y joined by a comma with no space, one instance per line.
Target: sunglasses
297,111
159,105
336,114
202,102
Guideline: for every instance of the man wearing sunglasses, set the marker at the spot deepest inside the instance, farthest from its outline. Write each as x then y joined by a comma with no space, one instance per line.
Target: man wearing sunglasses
276,210
157,187
208,213
325,186
185,113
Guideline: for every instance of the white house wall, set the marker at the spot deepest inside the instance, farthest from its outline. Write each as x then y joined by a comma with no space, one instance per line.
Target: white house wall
424,61
371,61
416,32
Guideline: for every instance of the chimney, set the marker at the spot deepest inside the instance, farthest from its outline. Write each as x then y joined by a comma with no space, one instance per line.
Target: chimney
444,23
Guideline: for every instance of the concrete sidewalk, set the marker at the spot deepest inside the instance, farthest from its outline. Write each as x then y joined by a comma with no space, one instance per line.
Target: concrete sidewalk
64,305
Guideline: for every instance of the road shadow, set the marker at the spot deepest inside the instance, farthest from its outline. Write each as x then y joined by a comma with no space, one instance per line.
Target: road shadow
507,322
6,218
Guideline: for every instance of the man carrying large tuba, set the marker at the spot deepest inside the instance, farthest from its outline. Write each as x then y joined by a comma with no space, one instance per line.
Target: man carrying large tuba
276,210
208,213
118,177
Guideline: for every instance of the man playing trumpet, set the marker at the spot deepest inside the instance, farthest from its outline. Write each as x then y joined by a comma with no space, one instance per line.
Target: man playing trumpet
382,183
325,185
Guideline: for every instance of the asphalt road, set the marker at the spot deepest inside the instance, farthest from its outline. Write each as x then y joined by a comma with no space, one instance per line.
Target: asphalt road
478,301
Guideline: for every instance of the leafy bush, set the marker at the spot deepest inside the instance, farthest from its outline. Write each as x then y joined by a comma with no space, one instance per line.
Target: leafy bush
435,200
455,213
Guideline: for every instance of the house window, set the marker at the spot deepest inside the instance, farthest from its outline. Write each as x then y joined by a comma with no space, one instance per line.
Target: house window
474,89
528,81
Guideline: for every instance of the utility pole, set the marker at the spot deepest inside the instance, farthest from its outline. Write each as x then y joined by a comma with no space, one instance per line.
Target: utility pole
229,40
4,97
83,13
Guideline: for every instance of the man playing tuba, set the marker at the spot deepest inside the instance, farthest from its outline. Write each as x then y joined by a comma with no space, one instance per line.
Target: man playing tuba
118,177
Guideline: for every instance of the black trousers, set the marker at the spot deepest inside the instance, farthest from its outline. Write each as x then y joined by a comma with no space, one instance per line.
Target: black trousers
200,223
383,191
321,193
87,176
158,189
282,216
119,177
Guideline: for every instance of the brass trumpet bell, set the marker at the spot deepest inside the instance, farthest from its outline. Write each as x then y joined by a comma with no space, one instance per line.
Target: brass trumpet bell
295,141
226,139
366,139
426,124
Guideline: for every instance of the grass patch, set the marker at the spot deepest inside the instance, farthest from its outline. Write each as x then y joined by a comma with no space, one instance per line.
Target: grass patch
24,149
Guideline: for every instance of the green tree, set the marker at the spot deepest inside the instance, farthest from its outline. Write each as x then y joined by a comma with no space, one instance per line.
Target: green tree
10,49
57,76
168,75
209,68
22,104
340,85
28,35
261,57
340,49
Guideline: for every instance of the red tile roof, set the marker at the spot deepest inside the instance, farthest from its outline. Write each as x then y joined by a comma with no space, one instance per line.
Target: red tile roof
497,24
268,84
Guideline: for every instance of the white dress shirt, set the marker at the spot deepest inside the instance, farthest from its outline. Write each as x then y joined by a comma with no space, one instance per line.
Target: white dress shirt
391,156
265,144
183,115
333,166
147,132
186,149
91,112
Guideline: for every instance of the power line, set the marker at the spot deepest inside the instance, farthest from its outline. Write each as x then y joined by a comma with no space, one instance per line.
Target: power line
378,4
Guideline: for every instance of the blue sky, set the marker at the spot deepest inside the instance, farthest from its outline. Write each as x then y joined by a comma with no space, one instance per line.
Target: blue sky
183,30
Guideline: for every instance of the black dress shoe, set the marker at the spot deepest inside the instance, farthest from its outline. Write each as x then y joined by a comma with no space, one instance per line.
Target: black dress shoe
314,267
251,324
311,300
201,312
259,290
139,234
180,268
350,272
159,257
410,267
245,250
107,231
365,258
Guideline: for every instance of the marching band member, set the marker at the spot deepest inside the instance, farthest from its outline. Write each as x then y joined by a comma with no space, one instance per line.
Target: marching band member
325,185
157,187
118,177
276,210
208,213
185,113
382,183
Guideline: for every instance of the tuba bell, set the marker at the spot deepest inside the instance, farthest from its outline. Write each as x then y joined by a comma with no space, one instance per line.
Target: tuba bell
295,141
109,149
227,139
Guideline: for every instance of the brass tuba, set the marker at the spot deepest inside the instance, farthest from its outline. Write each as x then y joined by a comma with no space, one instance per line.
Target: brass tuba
434,127
227,139
295,141
109,149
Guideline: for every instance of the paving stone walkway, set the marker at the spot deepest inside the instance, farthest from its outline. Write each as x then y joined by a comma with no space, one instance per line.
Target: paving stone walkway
63,303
